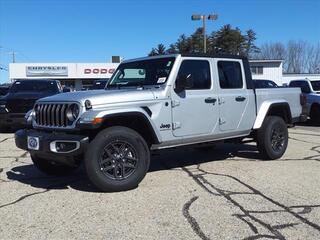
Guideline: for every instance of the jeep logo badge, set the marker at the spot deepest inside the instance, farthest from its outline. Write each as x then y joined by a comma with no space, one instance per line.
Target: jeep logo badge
165,126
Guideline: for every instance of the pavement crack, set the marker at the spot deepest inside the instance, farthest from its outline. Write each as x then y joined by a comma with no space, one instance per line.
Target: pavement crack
251,218
52,187
299,140
282,226
22,198
192,221
3,140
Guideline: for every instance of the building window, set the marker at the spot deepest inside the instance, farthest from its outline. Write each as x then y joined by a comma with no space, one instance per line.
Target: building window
256,70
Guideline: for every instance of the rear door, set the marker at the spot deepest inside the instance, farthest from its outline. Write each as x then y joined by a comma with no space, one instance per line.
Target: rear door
233,95
195,110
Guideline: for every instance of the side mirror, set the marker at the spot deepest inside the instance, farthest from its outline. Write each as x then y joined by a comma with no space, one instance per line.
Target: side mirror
184,82
65,89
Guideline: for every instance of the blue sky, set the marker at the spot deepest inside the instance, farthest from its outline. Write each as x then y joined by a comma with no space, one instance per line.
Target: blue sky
94,30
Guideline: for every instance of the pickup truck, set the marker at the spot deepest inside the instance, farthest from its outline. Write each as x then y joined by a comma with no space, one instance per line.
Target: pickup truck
156,103
21,98
311,91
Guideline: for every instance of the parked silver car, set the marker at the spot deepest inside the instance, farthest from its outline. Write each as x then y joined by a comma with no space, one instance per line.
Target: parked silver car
156,103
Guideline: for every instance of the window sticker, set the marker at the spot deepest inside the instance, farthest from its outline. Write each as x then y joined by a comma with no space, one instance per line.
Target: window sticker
161,80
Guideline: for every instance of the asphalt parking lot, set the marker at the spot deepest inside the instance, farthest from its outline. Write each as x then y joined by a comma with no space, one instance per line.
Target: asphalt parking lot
224,193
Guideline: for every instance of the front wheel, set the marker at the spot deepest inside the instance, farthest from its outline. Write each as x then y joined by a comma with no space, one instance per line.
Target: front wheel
117,159
272,138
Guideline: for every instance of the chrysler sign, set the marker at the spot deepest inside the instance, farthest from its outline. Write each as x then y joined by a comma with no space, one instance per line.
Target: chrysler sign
46,71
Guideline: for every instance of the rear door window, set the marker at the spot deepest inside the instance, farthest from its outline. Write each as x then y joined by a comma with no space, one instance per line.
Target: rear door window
230,75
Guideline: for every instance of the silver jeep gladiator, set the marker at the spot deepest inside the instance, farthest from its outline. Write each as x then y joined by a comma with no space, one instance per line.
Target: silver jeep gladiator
155,103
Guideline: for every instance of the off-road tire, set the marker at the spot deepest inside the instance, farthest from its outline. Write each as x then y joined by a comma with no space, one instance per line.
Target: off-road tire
52,168
272,138
109,156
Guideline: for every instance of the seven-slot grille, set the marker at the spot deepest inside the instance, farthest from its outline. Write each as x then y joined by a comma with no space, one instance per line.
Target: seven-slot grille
52,114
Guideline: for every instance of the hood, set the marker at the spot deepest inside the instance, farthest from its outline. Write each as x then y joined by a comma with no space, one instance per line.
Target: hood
24,95
99,97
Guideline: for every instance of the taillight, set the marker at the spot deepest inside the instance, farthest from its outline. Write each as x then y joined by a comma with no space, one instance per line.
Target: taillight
303,99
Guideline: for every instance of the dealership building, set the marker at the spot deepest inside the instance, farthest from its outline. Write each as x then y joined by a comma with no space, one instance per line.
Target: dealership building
74,75
82,75
273,70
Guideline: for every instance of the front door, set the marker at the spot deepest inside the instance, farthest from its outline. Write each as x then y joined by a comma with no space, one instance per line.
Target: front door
195,110
233,94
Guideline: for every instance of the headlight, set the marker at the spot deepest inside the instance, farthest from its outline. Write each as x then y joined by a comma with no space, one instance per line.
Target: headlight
2,104
73,112
29,116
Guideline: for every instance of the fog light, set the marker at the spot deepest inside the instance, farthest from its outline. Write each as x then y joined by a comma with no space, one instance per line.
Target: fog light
64,146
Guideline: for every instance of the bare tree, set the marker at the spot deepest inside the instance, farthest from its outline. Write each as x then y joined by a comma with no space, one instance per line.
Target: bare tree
313,63
297,56
275,50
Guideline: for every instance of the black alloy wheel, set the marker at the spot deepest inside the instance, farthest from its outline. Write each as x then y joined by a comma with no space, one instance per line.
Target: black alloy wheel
277,139
272,138
118,160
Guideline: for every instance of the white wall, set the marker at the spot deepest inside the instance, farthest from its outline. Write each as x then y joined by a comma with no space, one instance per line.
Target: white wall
271,71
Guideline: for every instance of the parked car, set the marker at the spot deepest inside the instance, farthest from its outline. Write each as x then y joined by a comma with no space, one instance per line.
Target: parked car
21,98
4,90
99,84
263,83
155,103
311,91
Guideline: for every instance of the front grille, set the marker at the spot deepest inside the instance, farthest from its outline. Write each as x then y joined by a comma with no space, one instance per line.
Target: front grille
52,115
20,105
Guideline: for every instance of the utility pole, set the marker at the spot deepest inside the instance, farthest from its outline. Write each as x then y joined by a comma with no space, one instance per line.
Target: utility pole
204,18
13,53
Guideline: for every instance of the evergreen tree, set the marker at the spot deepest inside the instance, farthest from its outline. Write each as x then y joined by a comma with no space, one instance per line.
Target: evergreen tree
159,50
225,40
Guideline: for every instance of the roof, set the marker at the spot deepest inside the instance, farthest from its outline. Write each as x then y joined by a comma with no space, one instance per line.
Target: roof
202,55
213,55
266,60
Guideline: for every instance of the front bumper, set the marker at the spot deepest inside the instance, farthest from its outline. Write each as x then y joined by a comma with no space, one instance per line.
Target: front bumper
48,144
12,120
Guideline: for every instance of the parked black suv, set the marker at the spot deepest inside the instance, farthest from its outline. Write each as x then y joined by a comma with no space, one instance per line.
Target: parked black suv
21,98
99,84
4,90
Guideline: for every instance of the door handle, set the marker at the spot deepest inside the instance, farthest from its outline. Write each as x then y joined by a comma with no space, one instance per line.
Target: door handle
210,100
240,99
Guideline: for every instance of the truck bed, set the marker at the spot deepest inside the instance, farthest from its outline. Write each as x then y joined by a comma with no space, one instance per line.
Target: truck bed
290,95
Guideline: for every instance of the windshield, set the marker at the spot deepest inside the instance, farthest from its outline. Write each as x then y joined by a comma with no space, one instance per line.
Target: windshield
145,72
315,85
34,86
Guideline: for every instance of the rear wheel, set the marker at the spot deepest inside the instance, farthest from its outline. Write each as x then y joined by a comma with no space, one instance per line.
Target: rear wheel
117,159
52,168
272,138
315,113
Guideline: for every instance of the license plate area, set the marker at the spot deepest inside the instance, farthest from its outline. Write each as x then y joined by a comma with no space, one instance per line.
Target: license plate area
33,143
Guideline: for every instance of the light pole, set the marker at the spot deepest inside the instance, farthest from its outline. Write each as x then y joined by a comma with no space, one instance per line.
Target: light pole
211,17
